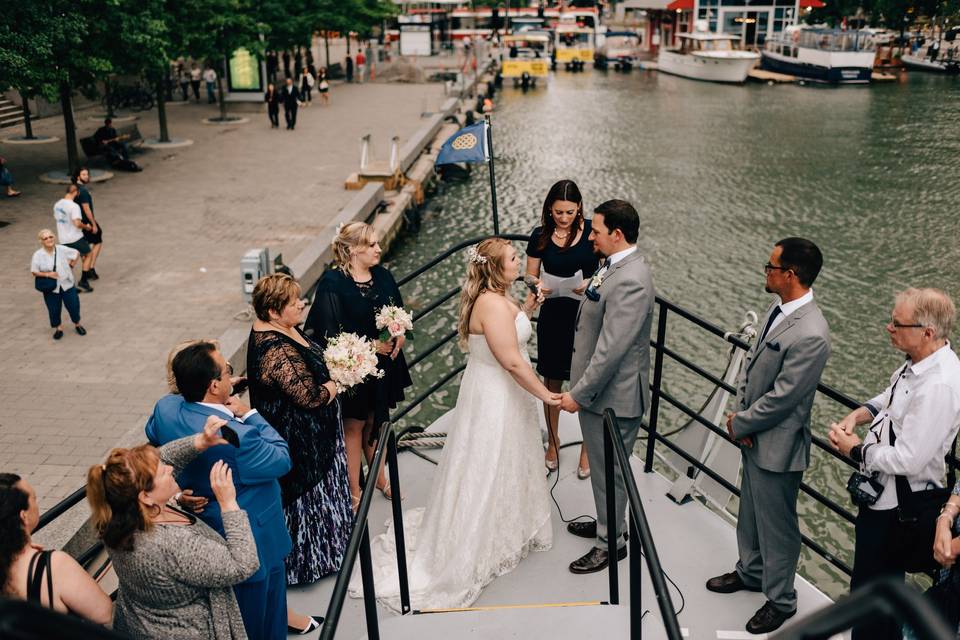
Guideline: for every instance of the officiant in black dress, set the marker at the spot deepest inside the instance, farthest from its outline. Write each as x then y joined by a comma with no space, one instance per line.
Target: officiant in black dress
561,247
348,298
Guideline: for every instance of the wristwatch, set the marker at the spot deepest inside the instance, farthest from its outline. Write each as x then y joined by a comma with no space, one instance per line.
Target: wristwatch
856,454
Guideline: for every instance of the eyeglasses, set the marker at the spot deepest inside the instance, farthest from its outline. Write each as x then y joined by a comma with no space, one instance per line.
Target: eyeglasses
229,370
47,238
767,268
897,325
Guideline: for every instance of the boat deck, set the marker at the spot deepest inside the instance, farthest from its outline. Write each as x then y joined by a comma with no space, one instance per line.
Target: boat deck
542,599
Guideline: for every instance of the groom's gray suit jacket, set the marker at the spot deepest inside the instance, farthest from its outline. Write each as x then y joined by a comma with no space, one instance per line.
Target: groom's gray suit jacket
611,347
776,388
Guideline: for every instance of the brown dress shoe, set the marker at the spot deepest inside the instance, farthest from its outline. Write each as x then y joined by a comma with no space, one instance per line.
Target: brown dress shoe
729,583
768,618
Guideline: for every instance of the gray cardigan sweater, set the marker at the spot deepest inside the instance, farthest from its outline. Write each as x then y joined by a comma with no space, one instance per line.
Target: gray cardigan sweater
177,583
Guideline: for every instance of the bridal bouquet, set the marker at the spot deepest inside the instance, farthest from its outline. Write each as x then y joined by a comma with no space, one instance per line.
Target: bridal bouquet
350,360
394,322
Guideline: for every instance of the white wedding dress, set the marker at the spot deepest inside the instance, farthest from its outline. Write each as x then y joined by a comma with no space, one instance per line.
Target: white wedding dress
489,506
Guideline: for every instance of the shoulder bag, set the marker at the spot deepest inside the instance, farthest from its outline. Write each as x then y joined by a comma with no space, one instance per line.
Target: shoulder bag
45,284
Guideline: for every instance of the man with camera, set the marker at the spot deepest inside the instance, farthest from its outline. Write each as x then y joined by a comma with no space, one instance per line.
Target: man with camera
913,424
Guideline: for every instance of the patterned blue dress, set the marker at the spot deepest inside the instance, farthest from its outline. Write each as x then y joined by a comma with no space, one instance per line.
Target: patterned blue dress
286,387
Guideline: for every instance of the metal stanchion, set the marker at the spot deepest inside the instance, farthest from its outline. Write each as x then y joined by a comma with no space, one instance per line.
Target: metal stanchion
394,471
612,534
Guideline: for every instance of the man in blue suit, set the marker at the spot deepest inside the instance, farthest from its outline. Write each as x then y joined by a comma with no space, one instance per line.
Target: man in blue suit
261,457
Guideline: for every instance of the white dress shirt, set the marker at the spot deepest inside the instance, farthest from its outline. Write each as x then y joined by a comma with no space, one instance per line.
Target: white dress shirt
925,416
786,308
223,409
620,255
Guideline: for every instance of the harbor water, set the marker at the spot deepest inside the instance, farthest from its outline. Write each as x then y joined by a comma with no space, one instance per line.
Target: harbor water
718,174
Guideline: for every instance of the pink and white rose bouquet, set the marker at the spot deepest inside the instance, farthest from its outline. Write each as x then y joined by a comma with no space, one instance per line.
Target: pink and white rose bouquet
393,322
350,359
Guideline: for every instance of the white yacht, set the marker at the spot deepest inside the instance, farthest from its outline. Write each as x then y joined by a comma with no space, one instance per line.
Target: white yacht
935,55
821,55
703,55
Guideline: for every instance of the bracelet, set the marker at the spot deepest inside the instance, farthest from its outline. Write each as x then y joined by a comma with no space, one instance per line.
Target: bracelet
950,518
177,497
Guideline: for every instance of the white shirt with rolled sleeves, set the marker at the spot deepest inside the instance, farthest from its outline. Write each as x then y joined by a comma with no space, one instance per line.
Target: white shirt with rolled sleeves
65,212
43,261
925,417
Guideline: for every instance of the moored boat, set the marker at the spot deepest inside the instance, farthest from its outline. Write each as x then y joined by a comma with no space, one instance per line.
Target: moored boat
821,55
935,55
707,56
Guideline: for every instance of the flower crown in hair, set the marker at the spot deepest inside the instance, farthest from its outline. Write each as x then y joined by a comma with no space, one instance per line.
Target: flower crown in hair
474,256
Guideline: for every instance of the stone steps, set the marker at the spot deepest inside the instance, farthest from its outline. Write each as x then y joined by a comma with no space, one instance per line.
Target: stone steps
10,114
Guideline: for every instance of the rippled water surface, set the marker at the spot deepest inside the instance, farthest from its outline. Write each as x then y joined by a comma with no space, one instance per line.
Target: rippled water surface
718,174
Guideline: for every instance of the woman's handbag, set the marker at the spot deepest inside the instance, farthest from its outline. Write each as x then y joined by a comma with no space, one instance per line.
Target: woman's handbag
44,284
945,597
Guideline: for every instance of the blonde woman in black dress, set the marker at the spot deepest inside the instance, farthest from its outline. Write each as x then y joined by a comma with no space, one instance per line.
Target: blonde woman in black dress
561,247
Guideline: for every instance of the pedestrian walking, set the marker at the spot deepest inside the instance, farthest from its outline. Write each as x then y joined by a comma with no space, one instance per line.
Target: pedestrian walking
272,98
291,100
6,180
52,269
348,68
323,86
361,66
195,81
210,77
92,231
183,77
70,227
306,87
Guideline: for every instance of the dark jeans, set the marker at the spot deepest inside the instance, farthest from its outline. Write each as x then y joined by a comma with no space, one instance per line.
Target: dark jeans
116,151
290,114
874,556
274,113
196,89
211,93
55,302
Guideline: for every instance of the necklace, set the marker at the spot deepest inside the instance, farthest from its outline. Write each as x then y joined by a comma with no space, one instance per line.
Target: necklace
560,236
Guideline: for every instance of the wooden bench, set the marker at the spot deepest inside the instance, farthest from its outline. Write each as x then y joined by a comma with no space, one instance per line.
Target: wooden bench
92,150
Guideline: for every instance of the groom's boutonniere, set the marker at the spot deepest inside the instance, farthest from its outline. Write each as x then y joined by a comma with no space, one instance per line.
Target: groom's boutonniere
596,281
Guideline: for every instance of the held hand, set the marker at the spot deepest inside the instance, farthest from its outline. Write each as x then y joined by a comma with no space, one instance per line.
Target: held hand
210,436
384,348
552,399
730,424
842,441
239,408
544,292
94,227
568,404
190,502
221,481
848,425
746,442
331,387
583,287
398,343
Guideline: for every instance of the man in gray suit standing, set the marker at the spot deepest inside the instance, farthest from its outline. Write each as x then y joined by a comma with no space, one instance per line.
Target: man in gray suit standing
611,362
775,393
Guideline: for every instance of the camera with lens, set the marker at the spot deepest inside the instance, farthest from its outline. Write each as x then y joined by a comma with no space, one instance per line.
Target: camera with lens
864,490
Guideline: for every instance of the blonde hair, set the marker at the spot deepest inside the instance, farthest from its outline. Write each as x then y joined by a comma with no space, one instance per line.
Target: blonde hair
932,308
485,272
273,293
352,234
172,379
44,232
113,491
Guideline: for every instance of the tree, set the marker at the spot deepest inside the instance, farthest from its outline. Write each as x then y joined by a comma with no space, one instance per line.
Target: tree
212,30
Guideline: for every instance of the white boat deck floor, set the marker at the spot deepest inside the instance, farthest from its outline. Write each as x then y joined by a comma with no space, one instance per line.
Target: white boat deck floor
692,542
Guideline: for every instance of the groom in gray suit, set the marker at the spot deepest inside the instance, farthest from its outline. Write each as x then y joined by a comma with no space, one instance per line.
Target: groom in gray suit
775,393
611,362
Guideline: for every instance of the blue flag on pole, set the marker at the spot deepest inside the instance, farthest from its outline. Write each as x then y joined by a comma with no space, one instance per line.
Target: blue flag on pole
467,145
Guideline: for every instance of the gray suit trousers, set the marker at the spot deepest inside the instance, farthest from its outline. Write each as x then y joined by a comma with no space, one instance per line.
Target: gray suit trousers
591,425
768,534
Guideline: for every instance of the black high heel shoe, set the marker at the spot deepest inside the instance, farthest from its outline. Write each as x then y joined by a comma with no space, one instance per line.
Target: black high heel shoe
315,622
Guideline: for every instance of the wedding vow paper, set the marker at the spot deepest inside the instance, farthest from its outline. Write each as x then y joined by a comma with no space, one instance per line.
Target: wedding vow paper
562,287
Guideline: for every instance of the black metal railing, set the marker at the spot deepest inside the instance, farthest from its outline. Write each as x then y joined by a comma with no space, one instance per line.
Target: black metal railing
359,544
886,598
641,539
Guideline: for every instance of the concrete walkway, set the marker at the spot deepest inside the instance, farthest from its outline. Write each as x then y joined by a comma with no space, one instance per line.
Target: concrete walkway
174,235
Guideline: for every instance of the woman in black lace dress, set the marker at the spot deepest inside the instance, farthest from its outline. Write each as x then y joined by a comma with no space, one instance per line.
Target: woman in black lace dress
347,299
290,387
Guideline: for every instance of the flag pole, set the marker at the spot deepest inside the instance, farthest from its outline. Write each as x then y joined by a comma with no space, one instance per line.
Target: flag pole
493,178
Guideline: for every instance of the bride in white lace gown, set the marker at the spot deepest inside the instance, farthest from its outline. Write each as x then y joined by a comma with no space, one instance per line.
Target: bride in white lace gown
489,506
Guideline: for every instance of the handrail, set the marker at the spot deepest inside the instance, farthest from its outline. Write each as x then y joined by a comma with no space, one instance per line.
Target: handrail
886,597
359,544
642,538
